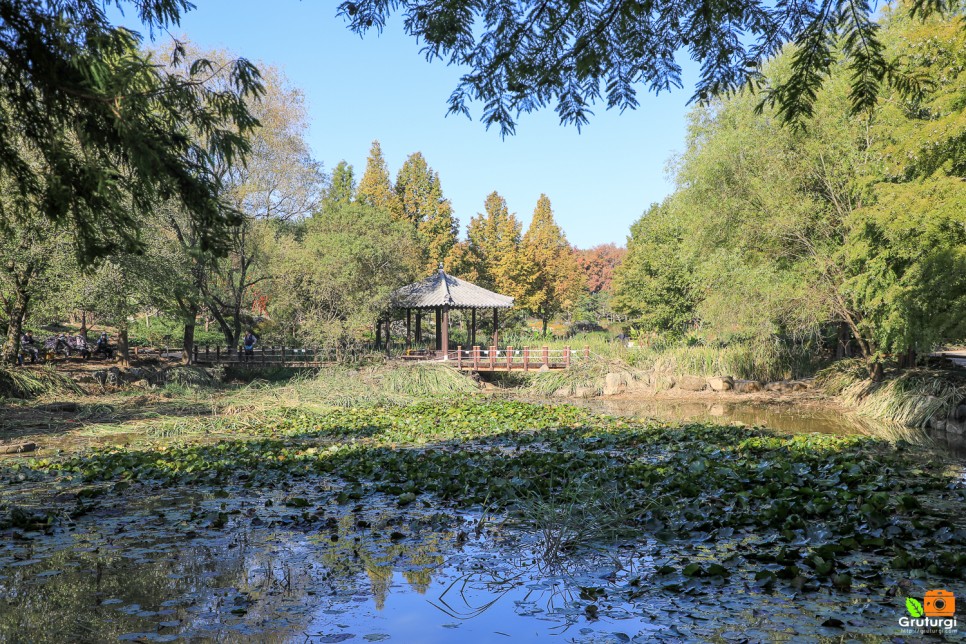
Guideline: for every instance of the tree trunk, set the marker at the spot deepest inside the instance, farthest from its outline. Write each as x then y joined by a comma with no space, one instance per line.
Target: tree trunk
11,348
188,339
83,329
123,346
842,349
544,320
876,372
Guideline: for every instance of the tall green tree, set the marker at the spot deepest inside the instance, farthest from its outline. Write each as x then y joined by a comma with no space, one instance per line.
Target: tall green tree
850,224
654,284
342,185
423,204
280,183
375,188
337,279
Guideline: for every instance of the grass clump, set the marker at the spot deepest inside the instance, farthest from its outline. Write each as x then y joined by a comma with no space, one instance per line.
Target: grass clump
582,373
908,397
422,380
747,360
31,383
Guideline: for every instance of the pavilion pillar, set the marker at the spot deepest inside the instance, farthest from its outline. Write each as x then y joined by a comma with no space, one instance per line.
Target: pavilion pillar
496,326
473,329
439,328
419,326
409,327
445,332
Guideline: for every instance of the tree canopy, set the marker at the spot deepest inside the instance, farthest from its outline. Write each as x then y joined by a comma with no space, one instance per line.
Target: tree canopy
523,56
116,131
852,227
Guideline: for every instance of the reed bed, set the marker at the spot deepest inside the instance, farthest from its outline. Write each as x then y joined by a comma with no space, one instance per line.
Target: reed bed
908,397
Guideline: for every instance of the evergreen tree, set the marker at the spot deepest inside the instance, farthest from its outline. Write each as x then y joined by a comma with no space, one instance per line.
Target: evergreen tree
421,198
342,186
553,276
375,188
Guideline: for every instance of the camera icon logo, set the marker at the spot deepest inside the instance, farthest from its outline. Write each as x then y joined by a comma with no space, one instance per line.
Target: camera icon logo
939,603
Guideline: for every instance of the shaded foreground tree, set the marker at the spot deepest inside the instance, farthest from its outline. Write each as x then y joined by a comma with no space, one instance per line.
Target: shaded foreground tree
523,56
113,127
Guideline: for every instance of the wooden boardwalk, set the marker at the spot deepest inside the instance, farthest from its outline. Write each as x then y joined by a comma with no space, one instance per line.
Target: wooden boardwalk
469,359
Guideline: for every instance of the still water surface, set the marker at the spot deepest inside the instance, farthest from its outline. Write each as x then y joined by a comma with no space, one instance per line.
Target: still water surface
788,418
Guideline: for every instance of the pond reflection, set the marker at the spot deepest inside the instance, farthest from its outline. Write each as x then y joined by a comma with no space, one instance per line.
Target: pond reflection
237,566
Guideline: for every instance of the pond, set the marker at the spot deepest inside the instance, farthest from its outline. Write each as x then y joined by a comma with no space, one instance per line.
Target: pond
788,417
459,524
179,570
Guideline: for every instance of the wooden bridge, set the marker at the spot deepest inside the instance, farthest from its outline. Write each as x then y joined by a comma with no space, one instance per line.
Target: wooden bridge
474,358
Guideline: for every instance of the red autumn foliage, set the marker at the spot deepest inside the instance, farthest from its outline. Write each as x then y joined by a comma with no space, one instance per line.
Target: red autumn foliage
598,263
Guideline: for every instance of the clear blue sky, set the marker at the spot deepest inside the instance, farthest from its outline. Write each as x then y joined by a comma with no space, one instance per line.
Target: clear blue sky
599,180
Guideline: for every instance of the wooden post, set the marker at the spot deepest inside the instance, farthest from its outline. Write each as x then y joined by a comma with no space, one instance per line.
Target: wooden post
476,357
567,357
445,333
196,354
283,355
263,355
218,353
526,358
207,348
439,328
419,327
473,328
492,358
509,358
459,356
546,356
496,323
388,334
409,320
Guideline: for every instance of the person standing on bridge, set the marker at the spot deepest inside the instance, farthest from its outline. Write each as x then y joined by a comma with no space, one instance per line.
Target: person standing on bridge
250,341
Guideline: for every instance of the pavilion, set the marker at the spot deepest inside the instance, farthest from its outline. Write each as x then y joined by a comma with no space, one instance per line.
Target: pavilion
442,293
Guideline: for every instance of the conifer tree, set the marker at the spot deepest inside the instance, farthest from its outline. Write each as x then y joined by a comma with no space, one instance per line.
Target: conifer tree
375,188
491,255
421,197
343,184
555,279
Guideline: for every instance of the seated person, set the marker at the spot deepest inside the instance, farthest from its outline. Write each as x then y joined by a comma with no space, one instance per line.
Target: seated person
29,346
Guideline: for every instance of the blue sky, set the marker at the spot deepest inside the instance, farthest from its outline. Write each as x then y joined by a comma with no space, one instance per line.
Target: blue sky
599,180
